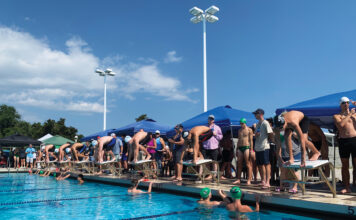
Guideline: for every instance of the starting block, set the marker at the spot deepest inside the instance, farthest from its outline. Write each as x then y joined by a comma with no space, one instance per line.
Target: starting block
312,165
65,164
194,169
143,166
110,165
84,165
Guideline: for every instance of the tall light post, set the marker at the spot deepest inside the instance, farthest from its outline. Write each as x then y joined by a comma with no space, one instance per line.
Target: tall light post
104,74
207,15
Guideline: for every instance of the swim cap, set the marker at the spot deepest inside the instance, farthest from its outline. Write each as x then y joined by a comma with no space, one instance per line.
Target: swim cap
54,174
127,139
41,172
56,150
278,121
235,192
67,150
94,143
204,193
112,134
243,120
43,147
185,134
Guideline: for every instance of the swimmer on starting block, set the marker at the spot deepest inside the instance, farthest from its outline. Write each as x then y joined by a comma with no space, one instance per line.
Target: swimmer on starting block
106,143
81,150
62,149
195,136
137,143
133,188
49,152
298,122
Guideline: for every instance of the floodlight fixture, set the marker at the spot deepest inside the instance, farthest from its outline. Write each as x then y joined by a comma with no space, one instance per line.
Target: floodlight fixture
196,19
211,18
105,73
207,15
196,11
212,10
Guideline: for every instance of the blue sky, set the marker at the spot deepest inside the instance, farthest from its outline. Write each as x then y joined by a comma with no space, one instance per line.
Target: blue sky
266,54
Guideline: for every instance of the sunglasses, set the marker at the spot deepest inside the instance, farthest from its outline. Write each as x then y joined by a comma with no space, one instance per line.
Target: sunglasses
343,103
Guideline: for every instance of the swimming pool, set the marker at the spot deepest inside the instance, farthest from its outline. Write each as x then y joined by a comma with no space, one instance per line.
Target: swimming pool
33,197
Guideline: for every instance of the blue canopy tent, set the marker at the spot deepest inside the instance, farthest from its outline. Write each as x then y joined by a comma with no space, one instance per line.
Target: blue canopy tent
148,125
321,110
225,116
100,134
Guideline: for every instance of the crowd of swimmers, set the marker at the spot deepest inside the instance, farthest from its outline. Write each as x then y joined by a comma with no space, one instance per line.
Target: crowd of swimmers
264,148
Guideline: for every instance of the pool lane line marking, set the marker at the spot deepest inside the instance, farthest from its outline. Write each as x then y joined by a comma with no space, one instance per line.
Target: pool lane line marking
56,200
29,190
161,215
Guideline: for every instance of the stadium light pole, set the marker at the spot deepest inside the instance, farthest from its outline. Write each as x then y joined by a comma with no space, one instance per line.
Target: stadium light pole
104,74
207,15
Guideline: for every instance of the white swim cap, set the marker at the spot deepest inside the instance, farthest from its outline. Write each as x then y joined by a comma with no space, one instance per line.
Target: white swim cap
185,134
43,147
113,135
67,150
94,143
56,150
127,139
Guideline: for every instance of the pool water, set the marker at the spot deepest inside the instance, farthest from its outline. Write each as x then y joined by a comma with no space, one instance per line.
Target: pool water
33,197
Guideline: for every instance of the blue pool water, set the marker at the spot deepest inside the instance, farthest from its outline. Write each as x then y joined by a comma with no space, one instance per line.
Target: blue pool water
33,197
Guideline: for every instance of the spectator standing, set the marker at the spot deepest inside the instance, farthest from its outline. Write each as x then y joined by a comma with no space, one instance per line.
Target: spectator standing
117,148
345,122
23,157
161,146
263,131
29,156
211,147
178,149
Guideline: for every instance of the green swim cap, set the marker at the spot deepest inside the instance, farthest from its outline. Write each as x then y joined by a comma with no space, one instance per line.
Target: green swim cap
235,192
41,172
54,174
204,193
243,120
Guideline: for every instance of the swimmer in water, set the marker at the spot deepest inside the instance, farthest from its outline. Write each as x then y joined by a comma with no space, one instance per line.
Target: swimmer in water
236,205
133,188
205,196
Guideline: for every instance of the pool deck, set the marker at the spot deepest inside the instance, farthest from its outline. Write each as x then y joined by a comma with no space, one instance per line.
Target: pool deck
315,200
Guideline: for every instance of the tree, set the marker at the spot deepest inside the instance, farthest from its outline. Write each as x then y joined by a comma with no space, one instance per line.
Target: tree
141,117
11,123
8,119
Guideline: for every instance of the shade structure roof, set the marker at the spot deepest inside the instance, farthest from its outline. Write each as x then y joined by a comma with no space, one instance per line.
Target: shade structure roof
225,116
321,110
18,140
99,134
45,137
57,140
148,125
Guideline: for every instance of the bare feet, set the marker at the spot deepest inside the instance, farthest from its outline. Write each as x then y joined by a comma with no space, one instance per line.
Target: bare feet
315,156
236,182
248,182
223,178
148,157
345,190
209,177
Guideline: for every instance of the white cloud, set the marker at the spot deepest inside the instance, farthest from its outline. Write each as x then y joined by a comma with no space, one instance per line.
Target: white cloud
34,74
172,58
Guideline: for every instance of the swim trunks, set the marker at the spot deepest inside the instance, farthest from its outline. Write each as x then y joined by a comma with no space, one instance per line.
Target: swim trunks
304,124
205,136
243,148
110,145
210,154
347,147
145,140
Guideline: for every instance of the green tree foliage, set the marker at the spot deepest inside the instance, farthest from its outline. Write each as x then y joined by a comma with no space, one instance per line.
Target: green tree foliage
8,119
141,118
11,123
